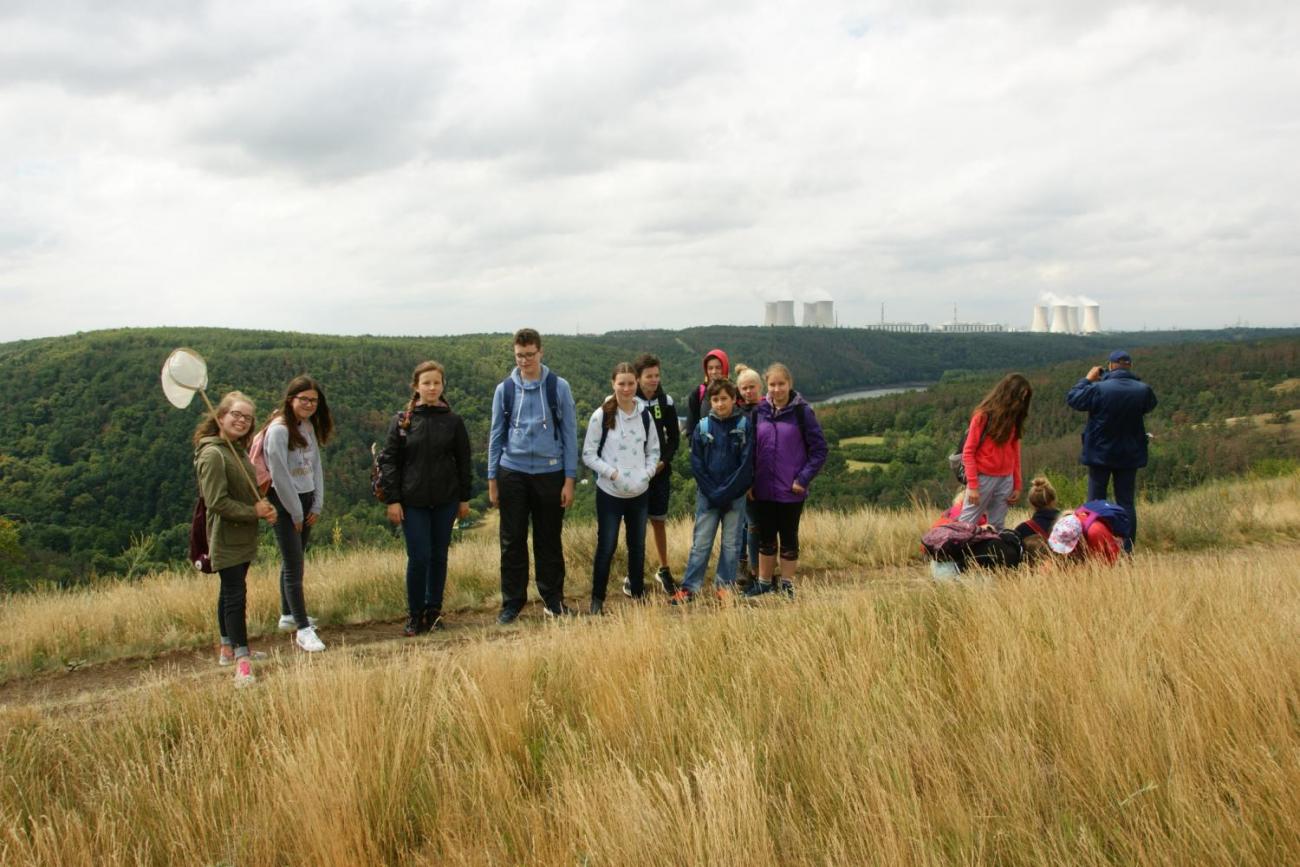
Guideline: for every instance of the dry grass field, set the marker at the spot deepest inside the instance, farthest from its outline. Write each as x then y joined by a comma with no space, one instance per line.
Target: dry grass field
1146,714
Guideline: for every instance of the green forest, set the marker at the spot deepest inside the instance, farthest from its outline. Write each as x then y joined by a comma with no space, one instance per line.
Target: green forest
96,469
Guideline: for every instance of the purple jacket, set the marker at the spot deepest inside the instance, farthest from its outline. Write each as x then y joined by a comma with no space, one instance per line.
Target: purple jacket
783,454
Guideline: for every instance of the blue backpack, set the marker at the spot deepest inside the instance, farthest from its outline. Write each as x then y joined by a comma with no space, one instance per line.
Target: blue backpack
1111,514
741,429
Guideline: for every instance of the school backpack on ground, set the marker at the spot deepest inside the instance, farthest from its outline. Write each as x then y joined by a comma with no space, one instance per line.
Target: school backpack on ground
376,475
199,538
968,544
1002,551
1113,515
552,401
945,541
955,461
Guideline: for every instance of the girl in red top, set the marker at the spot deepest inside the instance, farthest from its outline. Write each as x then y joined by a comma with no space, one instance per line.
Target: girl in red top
992,451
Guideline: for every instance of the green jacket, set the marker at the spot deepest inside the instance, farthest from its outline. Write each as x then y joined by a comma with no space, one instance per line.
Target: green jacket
232,520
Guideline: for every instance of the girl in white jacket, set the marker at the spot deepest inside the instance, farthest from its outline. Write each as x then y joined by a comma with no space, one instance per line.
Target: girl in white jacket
622,449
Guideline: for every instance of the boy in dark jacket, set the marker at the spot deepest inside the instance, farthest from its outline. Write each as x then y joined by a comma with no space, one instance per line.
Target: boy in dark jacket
722,460
649,387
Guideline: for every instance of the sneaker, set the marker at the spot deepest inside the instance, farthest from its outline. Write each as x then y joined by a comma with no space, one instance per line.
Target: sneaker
627,588
725,595
682,597
226,656
665,579
288,624
308,640
508,616
433,623
561,610
787,588
597,607
244,673
413,626
758,588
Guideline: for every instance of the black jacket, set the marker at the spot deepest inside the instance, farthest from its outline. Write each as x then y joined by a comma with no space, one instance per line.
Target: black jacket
427,464
1114,435
664,412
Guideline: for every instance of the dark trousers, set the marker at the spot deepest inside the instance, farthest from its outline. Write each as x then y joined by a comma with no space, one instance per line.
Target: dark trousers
1099,479
428,537
612,511
231,603
778,520
292,544
528,498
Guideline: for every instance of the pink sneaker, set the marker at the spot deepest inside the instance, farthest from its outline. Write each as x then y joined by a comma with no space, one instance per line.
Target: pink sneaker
244,673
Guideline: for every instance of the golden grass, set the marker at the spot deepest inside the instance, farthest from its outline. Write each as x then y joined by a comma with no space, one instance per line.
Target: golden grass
114,619
1148,714
858,466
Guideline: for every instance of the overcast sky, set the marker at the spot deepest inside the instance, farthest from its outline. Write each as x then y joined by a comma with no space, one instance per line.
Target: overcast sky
432,168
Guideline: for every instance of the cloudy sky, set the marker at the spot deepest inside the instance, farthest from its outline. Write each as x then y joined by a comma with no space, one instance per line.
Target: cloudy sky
431,168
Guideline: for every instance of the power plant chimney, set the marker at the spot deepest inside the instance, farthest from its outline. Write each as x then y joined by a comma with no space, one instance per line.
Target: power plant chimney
810,314
1091,318
769,314
1039,325
826,314
784,313
1073,313
1060,319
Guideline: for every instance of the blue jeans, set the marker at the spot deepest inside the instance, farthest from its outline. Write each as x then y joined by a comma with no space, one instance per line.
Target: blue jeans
1125,493
707,522
612,511
747,536
428,536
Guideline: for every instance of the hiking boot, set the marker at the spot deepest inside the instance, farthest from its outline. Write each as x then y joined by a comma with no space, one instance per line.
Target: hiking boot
244,673
288,624
414,626
787,589
682,597
308,640
597,607
559,610
508,616
758,588
665,578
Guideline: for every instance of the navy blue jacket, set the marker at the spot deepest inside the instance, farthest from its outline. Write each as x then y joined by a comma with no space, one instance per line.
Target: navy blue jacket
1114,435
723,459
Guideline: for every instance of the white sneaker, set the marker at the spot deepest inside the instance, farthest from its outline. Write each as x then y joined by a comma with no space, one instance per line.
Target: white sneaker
288,624
244,673
308,641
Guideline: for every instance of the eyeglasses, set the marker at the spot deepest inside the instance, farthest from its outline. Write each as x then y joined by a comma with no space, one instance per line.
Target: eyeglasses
239,416
310,401
527,356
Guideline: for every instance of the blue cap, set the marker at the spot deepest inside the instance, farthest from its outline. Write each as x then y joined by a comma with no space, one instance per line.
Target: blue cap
1120,355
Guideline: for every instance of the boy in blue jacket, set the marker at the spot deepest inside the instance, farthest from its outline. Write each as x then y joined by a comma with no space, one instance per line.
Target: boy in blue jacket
722,460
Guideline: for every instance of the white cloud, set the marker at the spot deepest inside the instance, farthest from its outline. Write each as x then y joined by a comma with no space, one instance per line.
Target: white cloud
432,167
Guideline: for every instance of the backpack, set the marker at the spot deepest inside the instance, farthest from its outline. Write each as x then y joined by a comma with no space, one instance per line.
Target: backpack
1002,551
199,538
1114,516
605,429
376,475
552,401
944,541
955,460
741,428
257,456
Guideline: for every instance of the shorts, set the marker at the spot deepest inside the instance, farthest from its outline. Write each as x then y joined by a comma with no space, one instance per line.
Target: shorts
660,487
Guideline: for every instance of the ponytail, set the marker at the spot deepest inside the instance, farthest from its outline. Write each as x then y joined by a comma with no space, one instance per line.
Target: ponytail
1041,493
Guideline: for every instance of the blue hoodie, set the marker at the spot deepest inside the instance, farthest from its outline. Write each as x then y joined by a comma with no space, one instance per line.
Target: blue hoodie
531,446
723,459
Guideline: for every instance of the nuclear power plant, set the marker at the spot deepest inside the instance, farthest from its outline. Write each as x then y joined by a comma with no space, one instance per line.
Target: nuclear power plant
1053,315
816,314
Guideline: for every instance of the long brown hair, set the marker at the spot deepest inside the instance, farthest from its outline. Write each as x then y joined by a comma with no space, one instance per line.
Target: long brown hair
1006,407
612,401
321,420
207,426
422,368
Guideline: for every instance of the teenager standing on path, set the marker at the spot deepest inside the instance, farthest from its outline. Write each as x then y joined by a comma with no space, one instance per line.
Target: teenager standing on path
426,473
991,452
233,506
790,450
649,375
1115,438
622,449
294,437
716,366
750,385
532,464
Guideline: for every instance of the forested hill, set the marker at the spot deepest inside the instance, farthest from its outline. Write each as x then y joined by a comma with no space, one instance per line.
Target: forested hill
91,453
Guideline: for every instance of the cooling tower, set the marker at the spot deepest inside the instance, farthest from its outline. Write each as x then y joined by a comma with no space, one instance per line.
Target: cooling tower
769,313
1073,313
826,314
1060,319
809,314
784,313
1039,325
1091,318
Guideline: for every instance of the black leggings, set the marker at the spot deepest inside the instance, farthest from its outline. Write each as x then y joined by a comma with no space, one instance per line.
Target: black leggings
293,545
231,601
778,519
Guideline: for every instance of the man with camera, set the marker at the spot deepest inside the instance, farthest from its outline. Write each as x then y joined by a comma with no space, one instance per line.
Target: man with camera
1115,439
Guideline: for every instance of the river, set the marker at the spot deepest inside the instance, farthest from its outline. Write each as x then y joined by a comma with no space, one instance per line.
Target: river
865,393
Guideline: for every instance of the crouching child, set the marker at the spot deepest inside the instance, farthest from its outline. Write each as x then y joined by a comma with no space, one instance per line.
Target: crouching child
722,453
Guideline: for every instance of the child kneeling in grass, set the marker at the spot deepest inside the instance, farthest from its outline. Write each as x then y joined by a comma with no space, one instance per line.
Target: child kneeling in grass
722,460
